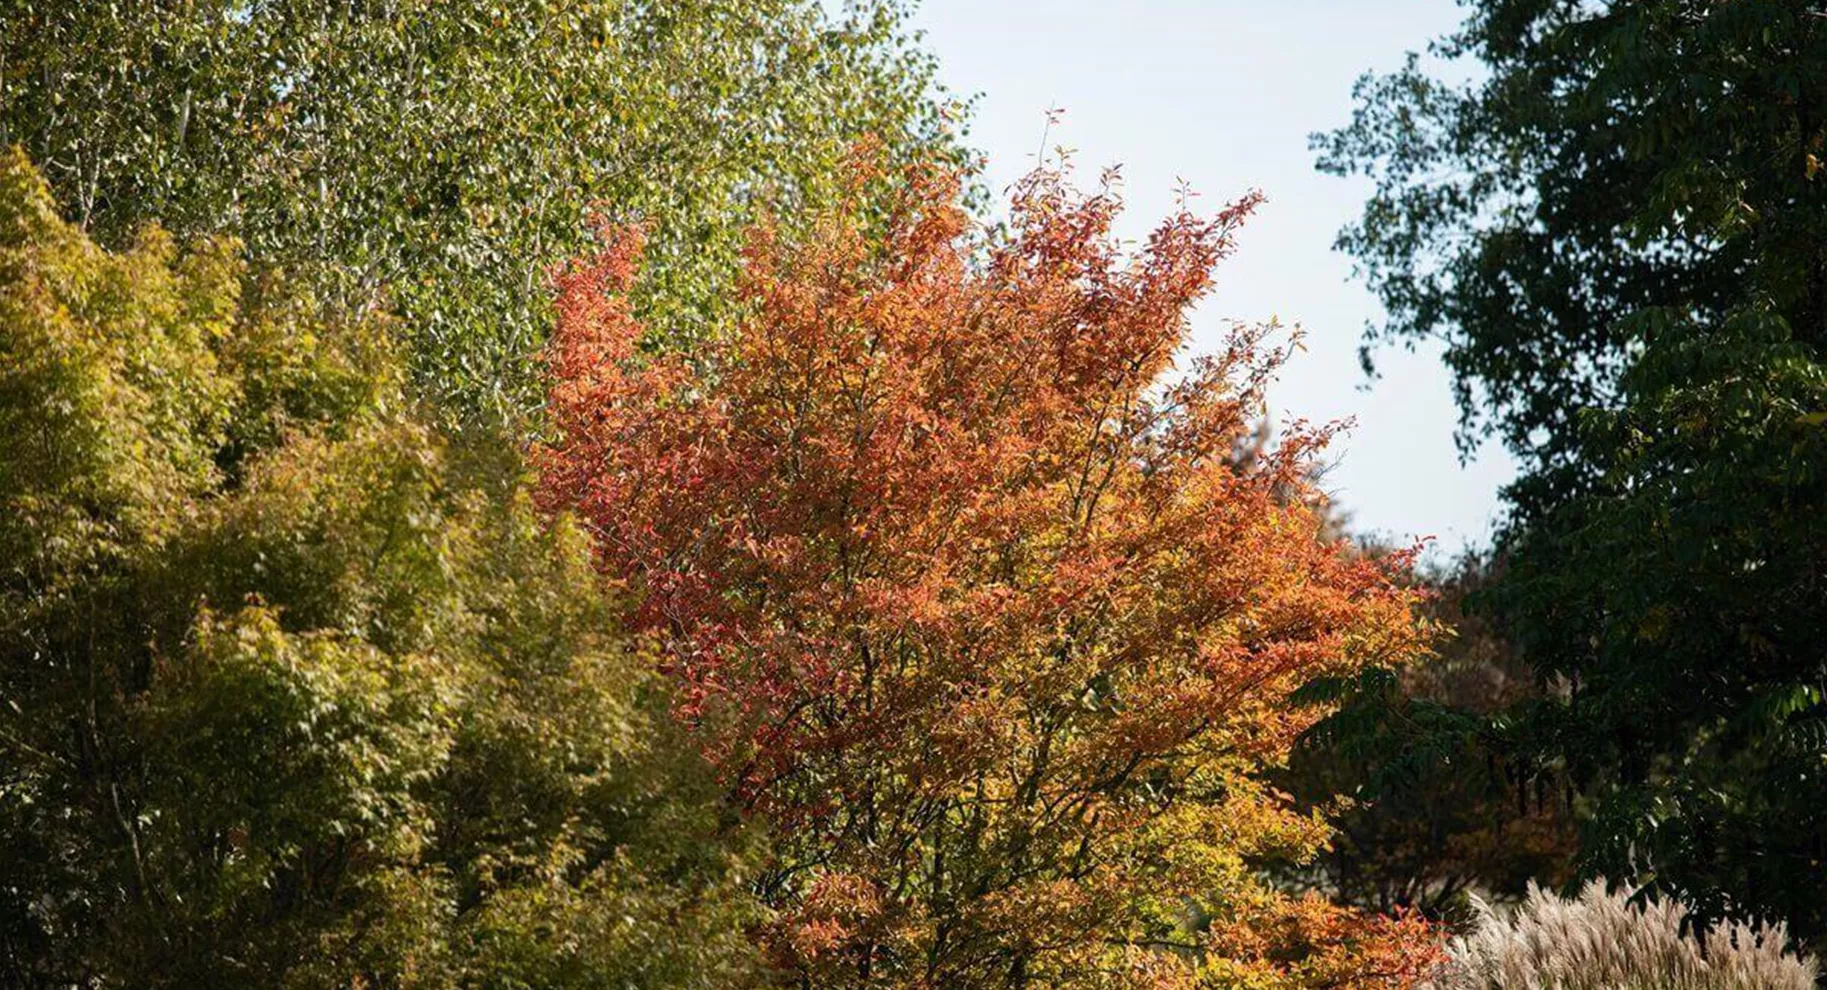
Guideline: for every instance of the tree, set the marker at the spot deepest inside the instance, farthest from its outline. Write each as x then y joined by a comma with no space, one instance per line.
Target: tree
296,692
1619,232
971,603
448,151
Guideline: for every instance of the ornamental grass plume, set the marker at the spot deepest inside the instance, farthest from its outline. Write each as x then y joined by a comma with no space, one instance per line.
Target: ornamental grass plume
1602,941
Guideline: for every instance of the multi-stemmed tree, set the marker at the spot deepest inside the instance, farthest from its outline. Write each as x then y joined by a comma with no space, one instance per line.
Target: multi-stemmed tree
969,598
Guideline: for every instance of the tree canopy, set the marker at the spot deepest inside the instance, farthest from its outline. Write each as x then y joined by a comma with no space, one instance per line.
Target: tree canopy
996,633
447,152
1431,805
297,692
1619,231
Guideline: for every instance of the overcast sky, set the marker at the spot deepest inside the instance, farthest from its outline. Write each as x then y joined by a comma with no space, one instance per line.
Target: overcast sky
1223,94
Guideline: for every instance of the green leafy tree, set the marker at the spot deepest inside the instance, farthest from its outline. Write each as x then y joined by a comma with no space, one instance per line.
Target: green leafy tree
1619,231
449,151
295,692
1437,810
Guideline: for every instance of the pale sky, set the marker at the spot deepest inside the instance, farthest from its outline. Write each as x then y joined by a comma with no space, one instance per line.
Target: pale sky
1222,94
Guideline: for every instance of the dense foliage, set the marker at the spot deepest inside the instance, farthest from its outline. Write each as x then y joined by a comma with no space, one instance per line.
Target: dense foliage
448,150
1619,230
1430,805
1604,940
988,624
861,595
296,693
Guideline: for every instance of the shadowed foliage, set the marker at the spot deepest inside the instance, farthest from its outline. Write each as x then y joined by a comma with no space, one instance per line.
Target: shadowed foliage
1618,230
1429,803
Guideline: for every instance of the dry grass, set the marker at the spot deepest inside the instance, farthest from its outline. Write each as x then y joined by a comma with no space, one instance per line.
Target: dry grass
1599,941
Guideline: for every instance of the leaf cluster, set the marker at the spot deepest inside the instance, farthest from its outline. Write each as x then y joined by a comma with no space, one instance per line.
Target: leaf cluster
978,606
448,152
1616,230
296,691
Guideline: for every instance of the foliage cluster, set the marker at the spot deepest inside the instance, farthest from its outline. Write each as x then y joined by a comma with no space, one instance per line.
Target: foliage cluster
303,691
1430,805
1619,231
298,693
447,151
988,620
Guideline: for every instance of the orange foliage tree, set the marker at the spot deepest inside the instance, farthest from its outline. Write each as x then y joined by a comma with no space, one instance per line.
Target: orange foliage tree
975,602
